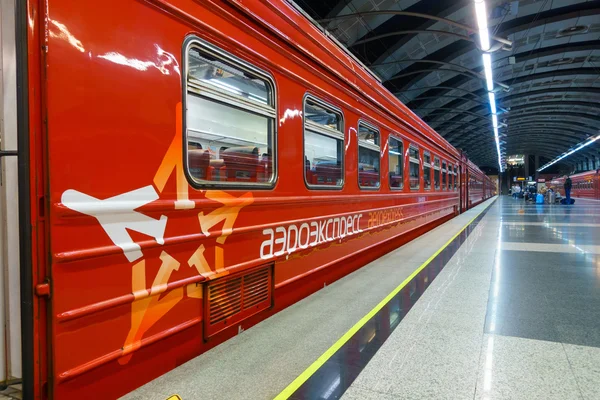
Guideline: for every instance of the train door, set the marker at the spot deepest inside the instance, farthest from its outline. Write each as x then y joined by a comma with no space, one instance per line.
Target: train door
462,173
10,307
460,189
465,184
596,185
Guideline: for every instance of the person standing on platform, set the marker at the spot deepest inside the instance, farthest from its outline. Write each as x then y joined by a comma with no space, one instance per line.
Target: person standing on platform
568,185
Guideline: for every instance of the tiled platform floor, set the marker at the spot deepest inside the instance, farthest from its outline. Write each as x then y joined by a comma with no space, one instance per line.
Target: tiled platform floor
518,320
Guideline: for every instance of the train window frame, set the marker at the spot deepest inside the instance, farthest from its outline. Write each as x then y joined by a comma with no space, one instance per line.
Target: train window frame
369,146
437,167
211,93
322,130
444,183
402,160
456,178
417,161
427,164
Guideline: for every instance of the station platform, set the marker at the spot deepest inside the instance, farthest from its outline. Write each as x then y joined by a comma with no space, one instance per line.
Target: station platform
501,302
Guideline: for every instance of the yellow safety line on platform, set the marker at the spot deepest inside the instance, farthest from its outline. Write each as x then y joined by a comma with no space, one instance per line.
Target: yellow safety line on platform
308,372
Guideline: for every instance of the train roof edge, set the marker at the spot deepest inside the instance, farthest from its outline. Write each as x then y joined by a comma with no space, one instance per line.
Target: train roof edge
368,78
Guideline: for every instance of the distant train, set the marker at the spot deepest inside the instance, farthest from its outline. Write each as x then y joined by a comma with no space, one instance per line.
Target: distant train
585,185
189,168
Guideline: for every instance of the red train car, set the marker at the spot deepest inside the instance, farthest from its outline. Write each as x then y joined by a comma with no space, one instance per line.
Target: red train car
189,168
585,185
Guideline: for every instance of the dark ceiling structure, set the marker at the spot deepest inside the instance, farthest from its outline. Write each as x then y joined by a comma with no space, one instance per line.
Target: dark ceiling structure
545,61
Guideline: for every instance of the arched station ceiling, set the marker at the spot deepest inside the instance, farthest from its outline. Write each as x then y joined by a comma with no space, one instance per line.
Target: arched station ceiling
545,60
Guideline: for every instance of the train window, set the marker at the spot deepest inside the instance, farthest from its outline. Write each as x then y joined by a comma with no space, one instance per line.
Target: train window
426,170
455,177
230,119
414,167
444,176
323,145
436,173
450,177
396,165
368,156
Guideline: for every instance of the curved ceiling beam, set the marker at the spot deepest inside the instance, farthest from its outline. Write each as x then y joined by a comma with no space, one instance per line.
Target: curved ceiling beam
526,119
552,74
559,145
534,149
443,126
547,17
557,141
515,25
541,92
520,79
550,51
450,127
487,125
452,111
441,87
408,32
510,97
411,14
568,135
469,74
568,110
586,104
593,117
504,101
461,80
380,50
520,57
548,153
584,129
572,130
421,60
529,122
581,129
457,97
572,134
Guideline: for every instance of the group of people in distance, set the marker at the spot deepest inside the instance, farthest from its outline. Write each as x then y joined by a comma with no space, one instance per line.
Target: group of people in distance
516,191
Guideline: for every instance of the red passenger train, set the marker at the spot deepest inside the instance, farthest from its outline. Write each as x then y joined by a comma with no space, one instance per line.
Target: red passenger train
585,185
195,167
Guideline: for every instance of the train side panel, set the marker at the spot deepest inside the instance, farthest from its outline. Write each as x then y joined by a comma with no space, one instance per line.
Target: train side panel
136,252
156,255
585,185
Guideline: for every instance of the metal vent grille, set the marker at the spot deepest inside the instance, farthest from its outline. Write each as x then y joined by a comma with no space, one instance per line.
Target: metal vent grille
233,298
224,299
256,288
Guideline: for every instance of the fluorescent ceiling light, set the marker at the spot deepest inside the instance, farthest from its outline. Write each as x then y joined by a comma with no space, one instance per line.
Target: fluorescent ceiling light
579,147
484,37
492,97
481,13
487,67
